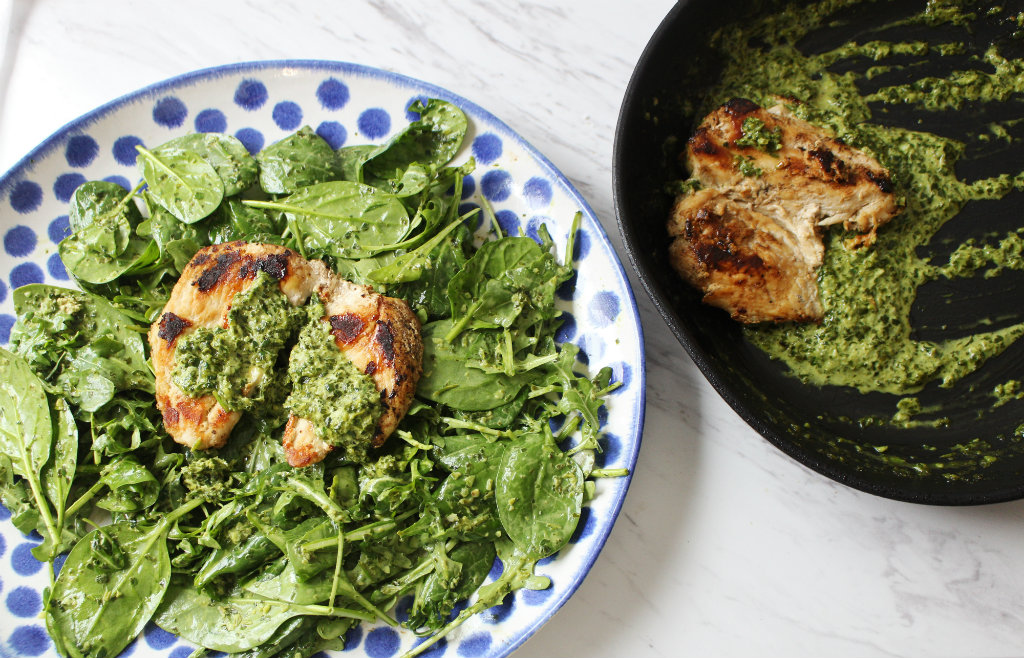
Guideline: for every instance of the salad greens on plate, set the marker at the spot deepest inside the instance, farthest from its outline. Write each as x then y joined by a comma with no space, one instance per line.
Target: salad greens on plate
233,549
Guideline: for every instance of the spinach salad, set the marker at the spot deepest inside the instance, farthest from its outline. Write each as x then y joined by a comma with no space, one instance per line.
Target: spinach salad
233,549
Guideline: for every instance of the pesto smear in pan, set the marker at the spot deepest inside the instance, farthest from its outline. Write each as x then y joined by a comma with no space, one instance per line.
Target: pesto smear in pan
866,339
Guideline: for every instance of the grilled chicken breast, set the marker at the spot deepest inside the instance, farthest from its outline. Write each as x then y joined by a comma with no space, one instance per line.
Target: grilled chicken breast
750,238
379,334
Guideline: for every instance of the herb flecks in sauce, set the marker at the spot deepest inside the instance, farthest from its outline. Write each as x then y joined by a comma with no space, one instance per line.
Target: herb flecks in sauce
866,340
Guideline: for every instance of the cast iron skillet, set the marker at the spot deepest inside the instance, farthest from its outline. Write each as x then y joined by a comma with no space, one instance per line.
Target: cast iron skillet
823,428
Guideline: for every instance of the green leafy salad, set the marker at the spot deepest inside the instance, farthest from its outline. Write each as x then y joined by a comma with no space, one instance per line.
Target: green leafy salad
233,549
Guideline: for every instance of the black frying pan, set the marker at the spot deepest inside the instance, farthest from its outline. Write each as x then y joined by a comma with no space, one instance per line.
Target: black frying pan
819,426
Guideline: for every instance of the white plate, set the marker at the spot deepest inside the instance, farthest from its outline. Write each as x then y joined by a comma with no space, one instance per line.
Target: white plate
260,103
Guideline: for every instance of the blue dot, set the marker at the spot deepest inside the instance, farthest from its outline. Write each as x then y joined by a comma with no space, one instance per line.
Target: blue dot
374,123
611,448
211,121
29,640
622,373
180,652
55,266
65,185
436,649
353,637
497,568
496,185
81,150
24,602
581,246
124,149
6,322
119,180
23,562
487,148
537,192
604,308
4,512
536,596
567,289
20,241
251,138
287,115
409,114
594,346
333,133
170,112
498,613
26,273
251,94
332,94
474,222
567,331
468,187
130,649
476,644
508,221
402,609
582,355
533,227
381,643
58,563
4,515
158,638
26,196
602,416
585,526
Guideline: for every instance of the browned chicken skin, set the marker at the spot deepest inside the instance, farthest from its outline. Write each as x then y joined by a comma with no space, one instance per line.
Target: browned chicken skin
753,243
380,335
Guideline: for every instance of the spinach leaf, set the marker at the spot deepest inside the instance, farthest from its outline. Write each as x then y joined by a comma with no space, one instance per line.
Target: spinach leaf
539,495
99,202
182,182
299,160
57,479
351,159
228,157
404,166
288,586
447,378
437,596
341,218
86,261
132,487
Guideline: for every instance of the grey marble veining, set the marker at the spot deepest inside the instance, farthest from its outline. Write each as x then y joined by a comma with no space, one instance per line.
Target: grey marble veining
725,546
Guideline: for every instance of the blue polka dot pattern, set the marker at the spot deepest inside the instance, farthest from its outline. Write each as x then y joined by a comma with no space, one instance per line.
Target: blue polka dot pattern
582,355
381,643
353,638
287,115
181,652
211,121
567,331
536,596
468,187
594,346
333,133
81,150
58,563
24,602
4,515
26,197
251,138
497,568
20,241
409,114
55,267
29,640
6,322
602,417
537,192
477,220
500,612
251,94
402,609
611,448
332,94
130,649
119,180
581,247
604,308
622,373
508,221
496,185
436,649
567,289
23,562
585,526
124,149
533,227
65,185
157,638
487,148
476,644
26,273
374,123
170,112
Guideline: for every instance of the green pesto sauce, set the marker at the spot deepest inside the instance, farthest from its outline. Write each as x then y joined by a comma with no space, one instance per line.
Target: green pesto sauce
329,391
274,358
865,340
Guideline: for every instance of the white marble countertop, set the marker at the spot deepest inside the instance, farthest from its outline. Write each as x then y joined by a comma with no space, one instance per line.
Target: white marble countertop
725,546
